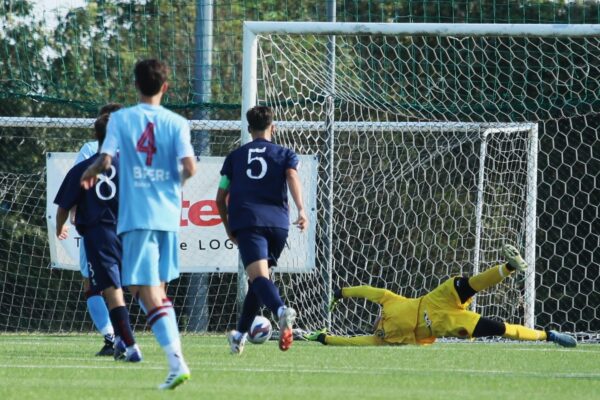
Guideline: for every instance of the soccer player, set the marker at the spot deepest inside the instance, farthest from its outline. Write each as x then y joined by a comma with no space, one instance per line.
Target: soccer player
255,178
153,144
440,313
94,300
96,220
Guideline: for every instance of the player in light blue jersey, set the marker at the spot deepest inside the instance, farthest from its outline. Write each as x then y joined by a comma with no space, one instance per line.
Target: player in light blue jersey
94,300
86,151
255,179
155,159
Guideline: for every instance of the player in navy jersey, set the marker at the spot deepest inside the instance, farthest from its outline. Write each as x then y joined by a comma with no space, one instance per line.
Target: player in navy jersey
94,300
153,144
255,179
96,220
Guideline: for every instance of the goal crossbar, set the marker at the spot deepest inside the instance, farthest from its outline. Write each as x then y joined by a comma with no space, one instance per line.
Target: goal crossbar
422,29
318,126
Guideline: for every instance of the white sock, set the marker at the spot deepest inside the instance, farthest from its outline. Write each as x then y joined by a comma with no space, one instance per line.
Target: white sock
132,348
280,311
237,335
175,356
110,338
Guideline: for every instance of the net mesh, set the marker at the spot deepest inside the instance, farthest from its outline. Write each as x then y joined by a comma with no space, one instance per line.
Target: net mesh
403,194
395,223
67,62
37,298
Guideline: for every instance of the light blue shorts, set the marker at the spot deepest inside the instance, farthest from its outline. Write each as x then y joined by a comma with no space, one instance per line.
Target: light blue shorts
83,266
149,257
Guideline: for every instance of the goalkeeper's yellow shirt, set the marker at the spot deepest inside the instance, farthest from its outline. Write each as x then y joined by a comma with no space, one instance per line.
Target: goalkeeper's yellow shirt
399,317
419,321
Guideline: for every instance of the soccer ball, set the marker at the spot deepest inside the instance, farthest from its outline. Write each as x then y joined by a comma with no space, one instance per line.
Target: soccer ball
260,331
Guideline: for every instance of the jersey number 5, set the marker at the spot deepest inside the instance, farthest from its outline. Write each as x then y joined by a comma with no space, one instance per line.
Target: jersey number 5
259,159
145,144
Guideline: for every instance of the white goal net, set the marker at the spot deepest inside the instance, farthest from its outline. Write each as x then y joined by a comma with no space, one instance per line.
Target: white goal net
428,147
435,144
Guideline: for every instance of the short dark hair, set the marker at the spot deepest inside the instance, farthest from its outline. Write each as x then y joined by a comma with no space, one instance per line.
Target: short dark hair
259,118
109,107
100,128
150,75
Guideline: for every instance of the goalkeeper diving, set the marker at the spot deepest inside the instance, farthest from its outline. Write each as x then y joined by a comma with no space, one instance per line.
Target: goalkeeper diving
440,313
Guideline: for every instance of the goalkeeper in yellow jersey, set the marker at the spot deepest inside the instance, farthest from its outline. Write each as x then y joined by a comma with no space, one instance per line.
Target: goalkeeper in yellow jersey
440,313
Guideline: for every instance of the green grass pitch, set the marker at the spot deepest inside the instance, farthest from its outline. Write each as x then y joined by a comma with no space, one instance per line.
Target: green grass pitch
64,367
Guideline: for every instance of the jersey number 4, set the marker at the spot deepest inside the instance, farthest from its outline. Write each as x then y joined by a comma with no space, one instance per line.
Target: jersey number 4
146,144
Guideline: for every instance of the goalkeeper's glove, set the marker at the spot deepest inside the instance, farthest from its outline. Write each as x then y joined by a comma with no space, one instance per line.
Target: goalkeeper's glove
335,299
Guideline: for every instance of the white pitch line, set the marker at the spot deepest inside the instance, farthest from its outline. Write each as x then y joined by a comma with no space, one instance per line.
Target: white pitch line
91,359
544,349
354,371
41,366
441,347
41,342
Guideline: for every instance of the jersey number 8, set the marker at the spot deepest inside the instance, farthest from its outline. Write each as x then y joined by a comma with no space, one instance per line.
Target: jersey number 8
107,181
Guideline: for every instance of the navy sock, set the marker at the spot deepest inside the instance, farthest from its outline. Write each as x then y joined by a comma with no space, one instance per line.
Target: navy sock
267,293
249,310
488,327
119,317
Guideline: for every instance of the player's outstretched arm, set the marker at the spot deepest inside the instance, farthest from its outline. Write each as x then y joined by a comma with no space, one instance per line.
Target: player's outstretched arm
295,186
62,230
323,337
370,293
90,175
353,341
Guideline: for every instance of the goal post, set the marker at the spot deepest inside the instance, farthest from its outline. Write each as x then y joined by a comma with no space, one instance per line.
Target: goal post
418,148
285,66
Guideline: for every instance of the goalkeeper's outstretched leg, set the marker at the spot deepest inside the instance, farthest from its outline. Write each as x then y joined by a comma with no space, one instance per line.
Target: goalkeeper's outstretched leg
487,327
466,288
441,313
493,276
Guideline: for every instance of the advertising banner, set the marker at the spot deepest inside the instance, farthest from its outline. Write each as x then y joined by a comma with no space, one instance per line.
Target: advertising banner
203,243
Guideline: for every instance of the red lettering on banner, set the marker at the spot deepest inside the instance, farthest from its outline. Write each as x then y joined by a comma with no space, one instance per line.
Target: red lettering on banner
184,204
201,213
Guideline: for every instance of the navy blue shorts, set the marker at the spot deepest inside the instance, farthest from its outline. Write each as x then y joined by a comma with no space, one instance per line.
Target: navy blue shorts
261,244
104,252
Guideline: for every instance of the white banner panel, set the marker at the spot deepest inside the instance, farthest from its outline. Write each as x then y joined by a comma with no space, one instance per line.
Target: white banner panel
203,244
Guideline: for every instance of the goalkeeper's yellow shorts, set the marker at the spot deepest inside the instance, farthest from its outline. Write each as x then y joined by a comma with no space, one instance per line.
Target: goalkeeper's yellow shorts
443,313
